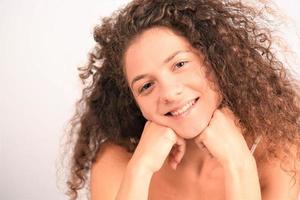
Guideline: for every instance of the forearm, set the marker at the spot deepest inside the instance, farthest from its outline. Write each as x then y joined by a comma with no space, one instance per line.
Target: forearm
241,181
135,184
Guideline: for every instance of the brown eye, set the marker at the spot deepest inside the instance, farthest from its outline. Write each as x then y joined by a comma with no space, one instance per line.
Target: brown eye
180,64
145,87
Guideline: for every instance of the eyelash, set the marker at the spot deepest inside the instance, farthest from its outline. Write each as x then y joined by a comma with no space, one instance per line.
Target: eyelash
149,84
143,88
181,62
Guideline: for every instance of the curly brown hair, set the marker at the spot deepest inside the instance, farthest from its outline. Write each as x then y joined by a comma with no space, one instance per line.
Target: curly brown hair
253,82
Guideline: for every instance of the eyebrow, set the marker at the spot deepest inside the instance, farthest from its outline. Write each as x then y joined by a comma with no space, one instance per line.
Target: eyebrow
170,57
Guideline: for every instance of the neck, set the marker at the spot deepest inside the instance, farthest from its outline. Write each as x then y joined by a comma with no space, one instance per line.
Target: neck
196,159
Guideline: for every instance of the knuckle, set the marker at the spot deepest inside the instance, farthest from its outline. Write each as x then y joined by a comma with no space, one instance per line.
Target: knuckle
169,135
205,134
218,113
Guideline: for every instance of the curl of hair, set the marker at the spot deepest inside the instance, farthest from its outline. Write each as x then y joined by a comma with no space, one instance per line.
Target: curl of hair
254,84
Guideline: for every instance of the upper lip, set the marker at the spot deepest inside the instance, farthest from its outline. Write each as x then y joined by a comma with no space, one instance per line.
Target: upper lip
180,105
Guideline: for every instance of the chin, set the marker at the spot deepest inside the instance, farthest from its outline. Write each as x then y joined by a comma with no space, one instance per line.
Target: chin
192,130
190,133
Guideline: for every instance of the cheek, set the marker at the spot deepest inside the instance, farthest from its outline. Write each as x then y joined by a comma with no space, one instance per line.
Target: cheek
146,110
147,115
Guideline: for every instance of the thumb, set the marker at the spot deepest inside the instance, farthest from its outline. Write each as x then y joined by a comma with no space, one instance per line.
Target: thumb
177,152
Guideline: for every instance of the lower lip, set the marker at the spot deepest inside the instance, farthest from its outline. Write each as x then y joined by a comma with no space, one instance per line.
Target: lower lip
186,112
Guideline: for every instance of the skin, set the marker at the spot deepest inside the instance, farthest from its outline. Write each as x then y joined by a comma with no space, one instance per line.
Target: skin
167,82
204,144
170,80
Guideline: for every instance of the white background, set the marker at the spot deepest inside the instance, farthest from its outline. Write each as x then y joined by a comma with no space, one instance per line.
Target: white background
41,45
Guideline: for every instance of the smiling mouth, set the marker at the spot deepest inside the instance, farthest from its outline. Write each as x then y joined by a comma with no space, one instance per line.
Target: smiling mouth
183,110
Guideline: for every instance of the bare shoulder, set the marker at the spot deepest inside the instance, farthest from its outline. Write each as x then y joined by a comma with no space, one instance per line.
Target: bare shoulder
280,179
107,171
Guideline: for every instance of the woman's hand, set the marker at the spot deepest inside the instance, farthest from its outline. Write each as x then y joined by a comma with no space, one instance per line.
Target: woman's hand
223,138
156,144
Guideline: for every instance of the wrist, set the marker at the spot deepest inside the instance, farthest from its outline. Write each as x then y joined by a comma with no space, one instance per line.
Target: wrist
247,161
241,179
135,183
138,170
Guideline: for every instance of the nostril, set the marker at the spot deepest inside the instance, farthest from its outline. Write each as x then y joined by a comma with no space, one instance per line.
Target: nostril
171,93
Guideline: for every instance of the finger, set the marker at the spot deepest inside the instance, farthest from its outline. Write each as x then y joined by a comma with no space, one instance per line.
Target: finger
171,157
177,152
171,137
227,112
203,148
169,141
173,163
147,124
181,147
180,141
201,145
200,138
173,151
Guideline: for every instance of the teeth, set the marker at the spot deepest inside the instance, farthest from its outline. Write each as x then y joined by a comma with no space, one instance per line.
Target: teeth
183,109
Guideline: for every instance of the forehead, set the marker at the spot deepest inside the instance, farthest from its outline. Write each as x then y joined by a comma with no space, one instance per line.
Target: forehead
151,48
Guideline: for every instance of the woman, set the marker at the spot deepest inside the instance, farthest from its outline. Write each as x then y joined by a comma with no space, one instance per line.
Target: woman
186,101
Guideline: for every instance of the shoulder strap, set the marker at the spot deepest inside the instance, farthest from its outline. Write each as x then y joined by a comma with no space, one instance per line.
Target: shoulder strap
257,140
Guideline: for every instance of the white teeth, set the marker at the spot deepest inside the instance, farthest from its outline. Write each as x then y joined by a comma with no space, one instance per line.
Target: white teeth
183,109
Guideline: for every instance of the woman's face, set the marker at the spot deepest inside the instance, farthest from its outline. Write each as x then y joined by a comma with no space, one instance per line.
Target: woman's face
170,82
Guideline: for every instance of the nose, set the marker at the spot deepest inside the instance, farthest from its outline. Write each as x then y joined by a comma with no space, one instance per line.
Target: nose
170,92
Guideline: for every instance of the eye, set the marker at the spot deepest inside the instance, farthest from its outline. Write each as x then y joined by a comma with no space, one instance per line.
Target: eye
145,87
180,64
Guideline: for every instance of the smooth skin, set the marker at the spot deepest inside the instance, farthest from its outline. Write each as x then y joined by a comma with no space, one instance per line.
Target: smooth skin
166,76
